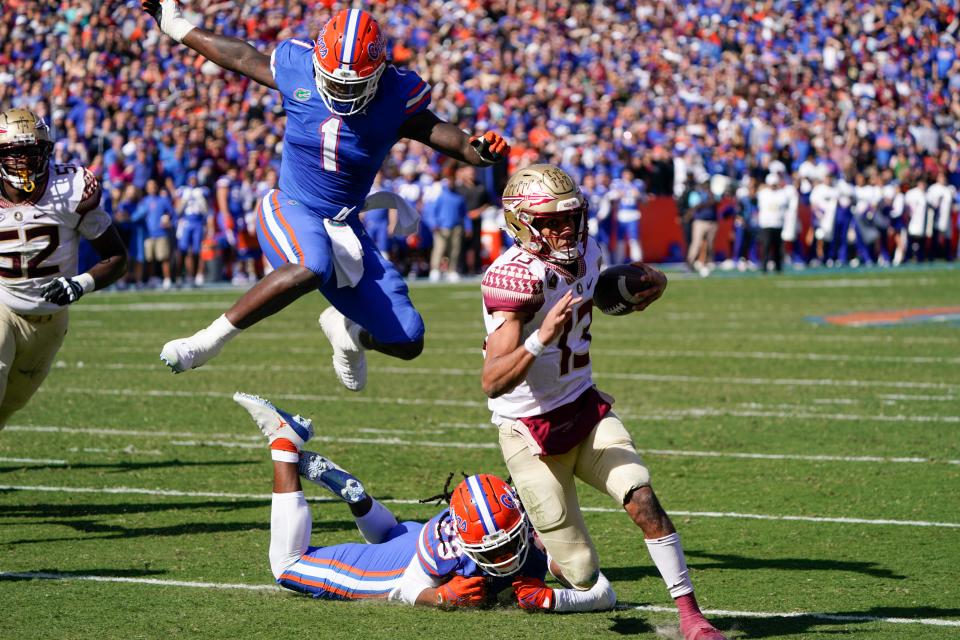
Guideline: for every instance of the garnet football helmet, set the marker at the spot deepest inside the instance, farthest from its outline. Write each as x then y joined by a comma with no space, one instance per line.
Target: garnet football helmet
349,57
539,196
491,525
25,147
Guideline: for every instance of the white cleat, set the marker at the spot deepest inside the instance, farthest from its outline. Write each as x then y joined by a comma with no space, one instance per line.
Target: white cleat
273,422
188,353
349,359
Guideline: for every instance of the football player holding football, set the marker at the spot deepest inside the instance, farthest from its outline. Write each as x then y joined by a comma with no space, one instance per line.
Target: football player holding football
464,556
45,208
554,425
346,106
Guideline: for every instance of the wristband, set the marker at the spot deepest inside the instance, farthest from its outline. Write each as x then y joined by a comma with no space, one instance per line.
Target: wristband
178,28
533,344
86,282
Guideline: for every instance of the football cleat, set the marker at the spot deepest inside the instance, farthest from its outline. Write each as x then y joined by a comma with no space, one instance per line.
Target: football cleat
326,473
188,353
273,422
700,630
349,359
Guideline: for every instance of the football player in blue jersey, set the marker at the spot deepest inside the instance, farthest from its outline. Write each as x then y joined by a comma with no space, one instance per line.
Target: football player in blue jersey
465,555
346,106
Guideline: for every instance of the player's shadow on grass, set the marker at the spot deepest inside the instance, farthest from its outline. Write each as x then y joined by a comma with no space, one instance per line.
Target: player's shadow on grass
58,574
44,510
703,560
116,532
804,626
121,467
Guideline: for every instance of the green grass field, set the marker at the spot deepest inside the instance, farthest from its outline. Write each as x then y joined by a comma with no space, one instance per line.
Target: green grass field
811,469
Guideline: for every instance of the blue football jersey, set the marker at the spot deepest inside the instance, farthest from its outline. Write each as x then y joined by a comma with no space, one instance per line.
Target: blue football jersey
329,161
441,556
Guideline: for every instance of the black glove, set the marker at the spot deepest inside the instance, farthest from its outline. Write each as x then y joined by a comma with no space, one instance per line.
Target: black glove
62,291
152,7
491,147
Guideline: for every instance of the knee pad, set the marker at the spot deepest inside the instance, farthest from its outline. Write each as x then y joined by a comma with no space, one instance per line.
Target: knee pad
580,567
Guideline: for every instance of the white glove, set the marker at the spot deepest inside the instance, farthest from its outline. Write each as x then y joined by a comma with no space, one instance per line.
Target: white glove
168,16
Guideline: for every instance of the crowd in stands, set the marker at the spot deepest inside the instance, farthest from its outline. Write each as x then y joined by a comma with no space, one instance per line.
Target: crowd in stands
846,109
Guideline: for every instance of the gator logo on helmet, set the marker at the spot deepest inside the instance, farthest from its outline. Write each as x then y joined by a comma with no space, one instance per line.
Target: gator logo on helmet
461,523
507,501
376,48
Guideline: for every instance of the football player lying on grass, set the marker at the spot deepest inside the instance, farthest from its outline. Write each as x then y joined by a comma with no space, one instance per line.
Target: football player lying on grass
462,557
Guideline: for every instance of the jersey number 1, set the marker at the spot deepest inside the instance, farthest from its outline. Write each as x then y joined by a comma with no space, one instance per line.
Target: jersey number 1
329,141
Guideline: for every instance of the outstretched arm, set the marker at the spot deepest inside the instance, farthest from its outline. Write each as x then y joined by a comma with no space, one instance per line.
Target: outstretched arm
480,151
232,54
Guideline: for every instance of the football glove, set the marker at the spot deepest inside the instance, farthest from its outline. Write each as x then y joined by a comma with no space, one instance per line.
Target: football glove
491,147
462,592
62,291
168,17
533,593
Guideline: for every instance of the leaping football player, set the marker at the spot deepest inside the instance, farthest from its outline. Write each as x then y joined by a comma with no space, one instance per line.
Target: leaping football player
554,425
45,208
346,106
463,556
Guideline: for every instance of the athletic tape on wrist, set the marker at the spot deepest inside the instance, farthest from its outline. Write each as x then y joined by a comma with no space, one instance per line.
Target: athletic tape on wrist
533,344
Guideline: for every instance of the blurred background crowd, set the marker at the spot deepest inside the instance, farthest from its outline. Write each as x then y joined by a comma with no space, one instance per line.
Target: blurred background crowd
821,132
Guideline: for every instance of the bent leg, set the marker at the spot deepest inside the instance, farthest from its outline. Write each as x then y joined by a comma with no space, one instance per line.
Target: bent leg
546,488
380,304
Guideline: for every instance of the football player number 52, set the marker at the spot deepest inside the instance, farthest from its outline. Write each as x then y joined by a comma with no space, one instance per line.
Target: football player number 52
579,322
14,265
329,140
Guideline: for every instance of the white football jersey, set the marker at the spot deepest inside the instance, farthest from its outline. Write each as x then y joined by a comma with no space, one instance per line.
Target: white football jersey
39,241
519,281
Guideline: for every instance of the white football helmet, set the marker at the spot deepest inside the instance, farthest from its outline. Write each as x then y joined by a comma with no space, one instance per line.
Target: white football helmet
25,148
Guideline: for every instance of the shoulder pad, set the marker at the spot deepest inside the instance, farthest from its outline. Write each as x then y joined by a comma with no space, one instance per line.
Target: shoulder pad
511,287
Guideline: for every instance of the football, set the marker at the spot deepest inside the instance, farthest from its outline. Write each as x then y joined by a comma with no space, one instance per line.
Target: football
617,289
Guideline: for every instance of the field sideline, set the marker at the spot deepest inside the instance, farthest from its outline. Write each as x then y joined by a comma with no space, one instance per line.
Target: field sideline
811,468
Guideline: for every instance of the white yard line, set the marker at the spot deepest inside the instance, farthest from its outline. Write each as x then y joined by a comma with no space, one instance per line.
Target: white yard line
696,412
830,617
693,514
602,333
160,393
41,461
726,613
189,438
453,371
910,398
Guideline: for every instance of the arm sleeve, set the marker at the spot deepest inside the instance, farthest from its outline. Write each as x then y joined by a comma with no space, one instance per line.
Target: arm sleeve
94,223
413,582
511,287
414,91
286,57
600,597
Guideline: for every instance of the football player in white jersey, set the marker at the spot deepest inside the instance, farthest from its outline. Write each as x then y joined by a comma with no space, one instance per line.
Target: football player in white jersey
554,425
45,208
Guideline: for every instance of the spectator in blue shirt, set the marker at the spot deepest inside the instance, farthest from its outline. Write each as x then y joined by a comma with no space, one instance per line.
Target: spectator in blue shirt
156,210
447,214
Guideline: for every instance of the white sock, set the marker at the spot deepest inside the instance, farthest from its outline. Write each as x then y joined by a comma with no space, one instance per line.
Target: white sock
290,525
599,597
376,523
221,330
667,554
280,455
